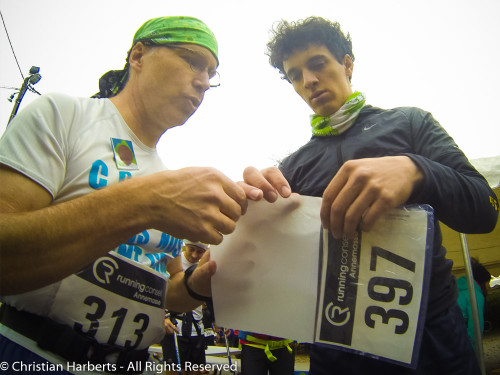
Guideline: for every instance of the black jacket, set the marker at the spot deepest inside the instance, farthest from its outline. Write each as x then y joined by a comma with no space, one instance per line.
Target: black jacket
460,196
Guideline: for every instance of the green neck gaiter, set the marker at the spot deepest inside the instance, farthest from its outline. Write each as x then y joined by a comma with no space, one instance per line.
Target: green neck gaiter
341,120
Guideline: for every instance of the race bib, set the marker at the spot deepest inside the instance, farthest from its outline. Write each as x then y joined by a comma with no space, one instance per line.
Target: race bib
373,288
114,300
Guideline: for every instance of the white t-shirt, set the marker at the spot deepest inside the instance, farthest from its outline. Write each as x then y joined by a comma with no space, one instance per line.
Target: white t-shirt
73,146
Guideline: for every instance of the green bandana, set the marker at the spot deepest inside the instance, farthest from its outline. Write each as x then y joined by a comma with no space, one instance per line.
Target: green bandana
341,120
161,30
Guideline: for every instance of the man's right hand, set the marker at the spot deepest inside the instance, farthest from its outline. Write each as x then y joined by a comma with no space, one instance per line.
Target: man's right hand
198,204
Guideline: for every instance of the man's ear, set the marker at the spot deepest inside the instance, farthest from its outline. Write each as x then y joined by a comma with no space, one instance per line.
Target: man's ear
348,66
136,54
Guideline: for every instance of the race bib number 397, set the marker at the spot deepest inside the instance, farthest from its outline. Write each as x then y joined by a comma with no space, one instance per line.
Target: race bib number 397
373,288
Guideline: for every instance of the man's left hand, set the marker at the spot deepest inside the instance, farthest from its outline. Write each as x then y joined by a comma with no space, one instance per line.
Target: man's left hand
364,189
267,183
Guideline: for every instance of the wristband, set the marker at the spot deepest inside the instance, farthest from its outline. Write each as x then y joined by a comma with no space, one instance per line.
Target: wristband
187,274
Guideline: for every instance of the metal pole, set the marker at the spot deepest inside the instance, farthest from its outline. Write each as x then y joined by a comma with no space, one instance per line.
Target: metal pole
228,353
177,352
176,342
19,97
473,302
28,83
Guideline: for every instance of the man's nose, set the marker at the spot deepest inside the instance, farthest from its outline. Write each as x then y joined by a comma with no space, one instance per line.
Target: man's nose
202,81
310,79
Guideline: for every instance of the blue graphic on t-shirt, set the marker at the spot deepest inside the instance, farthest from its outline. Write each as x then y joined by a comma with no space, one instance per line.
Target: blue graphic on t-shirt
140,239
151,248
99,168
170,245
130,251
158,261
98,173
123,175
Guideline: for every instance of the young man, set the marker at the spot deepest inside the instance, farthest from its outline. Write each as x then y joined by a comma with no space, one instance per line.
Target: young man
365,161
86,205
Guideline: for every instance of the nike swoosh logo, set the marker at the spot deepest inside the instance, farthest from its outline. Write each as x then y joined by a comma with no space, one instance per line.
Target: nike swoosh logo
368,127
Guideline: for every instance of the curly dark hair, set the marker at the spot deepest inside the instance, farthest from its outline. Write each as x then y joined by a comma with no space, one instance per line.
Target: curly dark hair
288,37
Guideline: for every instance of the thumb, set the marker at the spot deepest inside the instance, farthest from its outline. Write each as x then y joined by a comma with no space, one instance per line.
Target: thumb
201,279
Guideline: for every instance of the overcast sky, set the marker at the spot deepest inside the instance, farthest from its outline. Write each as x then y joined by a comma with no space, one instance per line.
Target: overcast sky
442,56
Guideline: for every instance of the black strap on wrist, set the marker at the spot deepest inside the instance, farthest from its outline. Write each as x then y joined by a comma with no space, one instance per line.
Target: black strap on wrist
187,274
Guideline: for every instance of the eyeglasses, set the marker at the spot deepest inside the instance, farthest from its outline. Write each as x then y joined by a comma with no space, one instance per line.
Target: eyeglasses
197,62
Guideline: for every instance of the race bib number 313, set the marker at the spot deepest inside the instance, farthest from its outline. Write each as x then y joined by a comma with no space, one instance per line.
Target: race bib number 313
373,288
114,301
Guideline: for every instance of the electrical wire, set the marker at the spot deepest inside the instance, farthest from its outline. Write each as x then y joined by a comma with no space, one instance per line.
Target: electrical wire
11,47
32,89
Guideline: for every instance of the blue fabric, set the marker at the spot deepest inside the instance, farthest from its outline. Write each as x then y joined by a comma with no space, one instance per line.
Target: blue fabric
464,303
19,360
446,349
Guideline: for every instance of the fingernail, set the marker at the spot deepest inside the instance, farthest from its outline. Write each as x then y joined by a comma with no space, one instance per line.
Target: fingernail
272,196
285,191
254,194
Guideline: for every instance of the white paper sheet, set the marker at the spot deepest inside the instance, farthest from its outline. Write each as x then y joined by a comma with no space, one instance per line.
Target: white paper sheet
274,248
373,290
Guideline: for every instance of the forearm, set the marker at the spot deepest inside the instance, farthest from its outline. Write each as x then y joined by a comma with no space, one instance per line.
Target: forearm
460,196
43,246
42,243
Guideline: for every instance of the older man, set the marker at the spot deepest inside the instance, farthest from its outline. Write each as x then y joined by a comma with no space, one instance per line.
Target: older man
87,209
